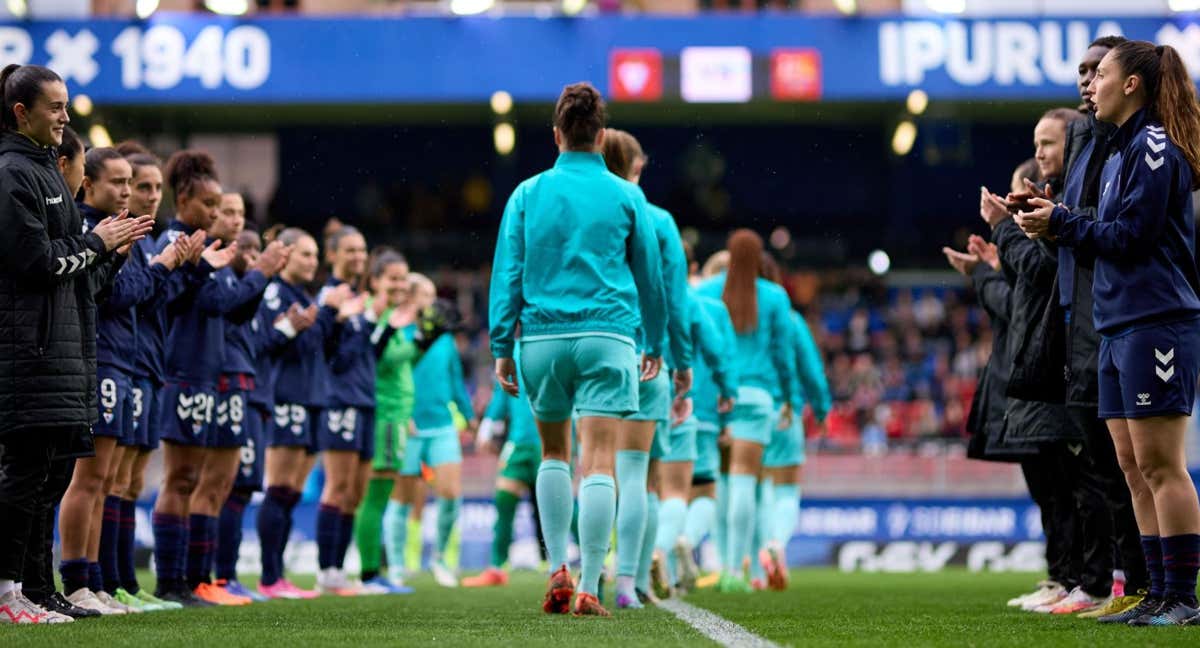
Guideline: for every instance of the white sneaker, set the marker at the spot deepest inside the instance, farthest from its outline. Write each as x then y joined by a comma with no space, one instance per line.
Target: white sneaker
88,600
1041,587
1078,601
1047,596
17,610
51,616
443,575
111,602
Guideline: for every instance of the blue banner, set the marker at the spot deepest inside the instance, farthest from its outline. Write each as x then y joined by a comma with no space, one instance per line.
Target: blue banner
194,59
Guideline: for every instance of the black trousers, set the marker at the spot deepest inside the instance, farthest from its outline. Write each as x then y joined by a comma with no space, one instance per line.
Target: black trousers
1091,550
1058,514
25,459
1126,538
39,553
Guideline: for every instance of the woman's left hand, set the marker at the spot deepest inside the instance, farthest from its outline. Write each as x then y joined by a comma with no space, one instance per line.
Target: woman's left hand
1036,223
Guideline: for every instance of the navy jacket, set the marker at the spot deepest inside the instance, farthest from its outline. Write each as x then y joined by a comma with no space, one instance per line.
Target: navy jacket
241,329
136,283
357,344
1143,237
195,343
302,374
268,344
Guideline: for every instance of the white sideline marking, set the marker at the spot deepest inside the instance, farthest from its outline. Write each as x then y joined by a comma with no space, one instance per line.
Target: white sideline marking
719,629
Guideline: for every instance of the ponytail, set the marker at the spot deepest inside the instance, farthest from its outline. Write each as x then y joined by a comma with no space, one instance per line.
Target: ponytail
1170,93
1176,107
21,84
741,290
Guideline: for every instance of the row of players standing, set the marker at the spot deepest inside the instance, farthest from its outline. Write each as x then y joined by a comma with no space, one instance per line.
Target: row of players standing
1093,373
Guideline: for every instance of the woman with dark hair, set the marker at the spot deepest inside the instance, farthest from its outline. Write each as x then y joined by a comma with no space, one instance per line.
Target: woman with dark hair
49,270
576,254
765,361
144,199
200,459
38,585
89,521
645,436
1147,304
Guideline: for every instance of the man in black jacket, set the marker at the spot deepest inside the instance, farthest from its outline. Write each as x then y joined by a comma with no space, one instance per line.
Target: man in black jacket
47,314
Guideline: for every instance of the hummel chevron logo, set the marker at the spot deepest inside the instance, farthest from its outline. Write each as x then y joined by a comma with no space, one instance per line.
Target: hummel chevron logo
73,262
1154,163
1167,370
1157,147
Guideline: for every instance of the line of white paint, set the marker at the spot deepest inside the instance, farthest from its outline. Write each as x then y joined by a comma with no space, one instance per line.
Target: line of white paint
719,629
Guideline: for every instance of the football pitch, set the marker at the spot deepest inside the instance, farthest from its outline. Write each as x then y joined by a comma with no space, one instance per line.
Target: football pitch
822,608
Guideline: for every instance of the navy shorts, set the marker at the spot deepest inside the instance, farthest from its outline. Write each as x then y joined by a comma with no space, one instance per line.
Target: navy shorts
229,429
185,413
1150,370
145,396
366,451
250,469
291,427
345,428
114,391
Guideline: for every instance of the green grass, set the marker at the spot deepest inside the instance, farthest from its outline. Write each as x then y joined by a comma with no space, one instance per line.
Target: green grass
823,608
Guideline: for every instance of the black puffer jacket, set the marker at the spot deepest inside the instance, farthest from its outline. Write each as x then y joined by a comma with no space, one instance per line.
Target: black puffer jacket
1030,269
47,312
986,420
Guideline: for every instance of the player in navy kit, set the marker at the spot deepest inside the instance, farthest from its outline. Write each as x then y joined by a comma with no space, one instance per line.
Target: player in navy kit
1147,304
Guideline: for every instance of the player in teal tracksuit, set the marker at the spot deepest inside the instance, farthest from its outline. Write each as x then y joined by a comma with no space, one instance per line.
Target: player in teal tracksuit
438,376
760,312
713,367
780,507
516,475
708,510
577,266
644,437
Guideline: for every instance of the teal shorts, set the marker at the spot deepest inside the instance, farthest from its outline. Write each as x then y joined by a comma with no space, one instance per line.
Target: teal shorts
708,456
753,417
588,375
660,447
787,445
433,451
682,442
654,399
